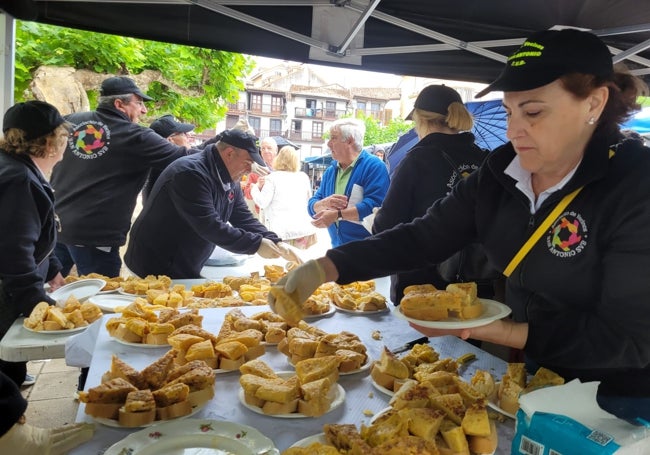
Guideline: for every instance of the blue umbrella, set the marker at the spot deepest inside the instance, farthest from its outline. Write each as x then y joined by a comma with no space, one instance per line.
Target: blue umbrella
490,123
398,151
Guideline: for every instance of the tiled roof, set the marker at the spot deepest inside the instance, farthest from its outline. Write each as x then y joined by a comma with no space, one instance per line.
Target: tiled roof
376,93
326,91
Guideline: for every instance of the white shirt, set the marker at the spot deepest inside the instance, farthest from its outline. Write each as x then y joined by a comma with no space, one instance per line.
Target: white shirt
284,200
525,183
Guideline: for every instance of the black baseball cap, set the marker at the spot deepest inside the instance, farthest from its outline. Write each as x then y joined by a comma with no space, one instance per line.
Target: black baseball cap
547,55
121,85
242,140
435,98
35,118
167,125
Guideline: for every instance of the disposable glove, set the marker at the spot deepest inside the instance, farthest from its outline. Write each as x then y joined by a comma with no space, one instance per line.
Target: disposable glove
27,439
289,253
300,283
268,249
259,170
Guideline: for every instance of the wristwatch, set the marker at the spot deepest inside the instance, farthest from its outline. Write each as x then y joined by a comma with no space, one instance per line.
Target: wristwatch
340,216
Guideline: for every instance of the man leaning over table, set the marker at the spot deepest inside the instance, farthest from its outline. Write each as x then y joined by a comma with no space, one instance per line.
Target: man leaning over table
198,203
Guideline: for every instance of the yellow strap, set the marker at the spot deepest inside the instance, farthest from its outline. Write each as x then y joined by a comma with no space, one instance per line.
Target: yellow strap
523,251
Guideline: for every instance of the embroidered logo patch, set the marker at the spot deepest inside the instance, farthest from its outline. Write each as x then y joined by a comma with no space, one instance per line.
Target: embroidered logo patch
89,140
568,236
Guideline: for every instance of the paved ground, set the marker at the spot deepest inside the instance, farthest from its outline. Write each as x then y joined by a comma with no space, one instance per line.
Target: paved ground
51,399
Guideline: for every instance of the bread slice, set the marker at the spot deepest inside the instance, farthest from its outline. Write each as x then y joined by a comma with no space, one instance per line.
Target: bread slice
283,392
543,378
432,306
476,421
258,368
382,431
155,374
413,395
231,349
423,422
454,437
171,394
517,373
390,364
275,408
508,393
350,360
37,315
200,351
287,305
452,404
346,438
317,368
411,445
110,392
419,288
484,383
484,444
120,369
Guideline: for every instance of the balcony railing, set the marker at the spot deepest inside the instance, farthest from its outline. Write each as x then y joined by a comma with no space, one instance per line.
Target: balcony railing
270,109
306,136
239,107
321,114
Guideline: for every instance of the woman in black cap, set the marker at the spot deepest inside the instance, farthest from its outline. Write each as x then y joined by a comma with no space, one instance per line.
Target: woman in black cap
35,137
562,210
445,154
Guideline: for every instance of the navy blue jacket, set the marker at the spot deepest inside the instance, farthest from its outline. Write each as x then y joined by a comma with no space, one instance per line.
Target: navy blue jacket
28,233
194,206
102,172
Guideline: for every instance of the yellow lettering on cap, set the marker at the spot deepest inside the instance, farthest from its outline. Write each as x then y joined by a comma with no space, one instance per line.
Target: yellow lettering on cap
519,55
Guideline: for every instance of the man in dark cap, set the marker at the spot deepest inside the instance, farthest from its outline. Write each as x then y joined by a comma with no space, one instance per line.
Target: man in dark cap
103,170
196,204
176,133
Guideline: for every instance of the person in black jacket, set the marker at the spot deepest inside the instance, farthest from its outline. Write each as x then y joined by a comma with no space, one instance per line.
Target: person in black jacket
105,166
176,133
580,299
446,153
34,140
197,203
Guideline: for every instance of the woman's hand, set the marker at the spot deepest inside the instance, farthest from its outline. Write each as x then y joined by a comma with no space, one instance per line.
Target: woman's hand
504,332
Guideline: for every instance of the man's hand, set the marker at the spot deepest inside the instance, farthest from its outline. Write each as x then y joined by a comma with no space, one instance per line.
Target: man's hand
268,249
259,170
301,283
289,253
56,282
25,438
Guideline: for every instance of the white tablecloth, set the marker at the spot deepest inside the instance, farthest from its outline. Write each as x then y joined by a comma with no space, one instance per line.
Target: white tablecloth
360,394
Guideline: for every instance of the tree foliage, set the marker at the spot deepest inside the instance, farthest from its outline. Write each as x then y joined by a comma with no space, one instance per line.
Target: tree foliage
203,81
379,134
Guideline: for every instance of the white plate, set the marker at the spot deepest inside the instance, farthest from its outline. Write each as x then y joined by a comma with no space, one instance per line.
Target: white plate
175,436
338,391
81,289
329,312
109,302
309,440
492,310
57,332
382,389
116,424
140,345
359,312
123,292
365,367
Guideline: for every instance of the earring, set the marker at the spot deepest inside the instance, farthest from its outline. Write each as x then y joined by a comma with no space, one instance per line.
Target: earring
591,121
51,155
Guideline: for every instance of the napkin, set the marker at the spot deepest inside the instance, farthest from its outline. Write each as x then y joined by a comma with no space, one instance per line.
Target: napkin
569,415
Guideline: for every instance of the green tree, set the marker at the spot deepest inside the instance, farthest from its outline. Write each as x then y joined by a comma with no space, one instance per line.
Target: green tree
195,84
378,134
